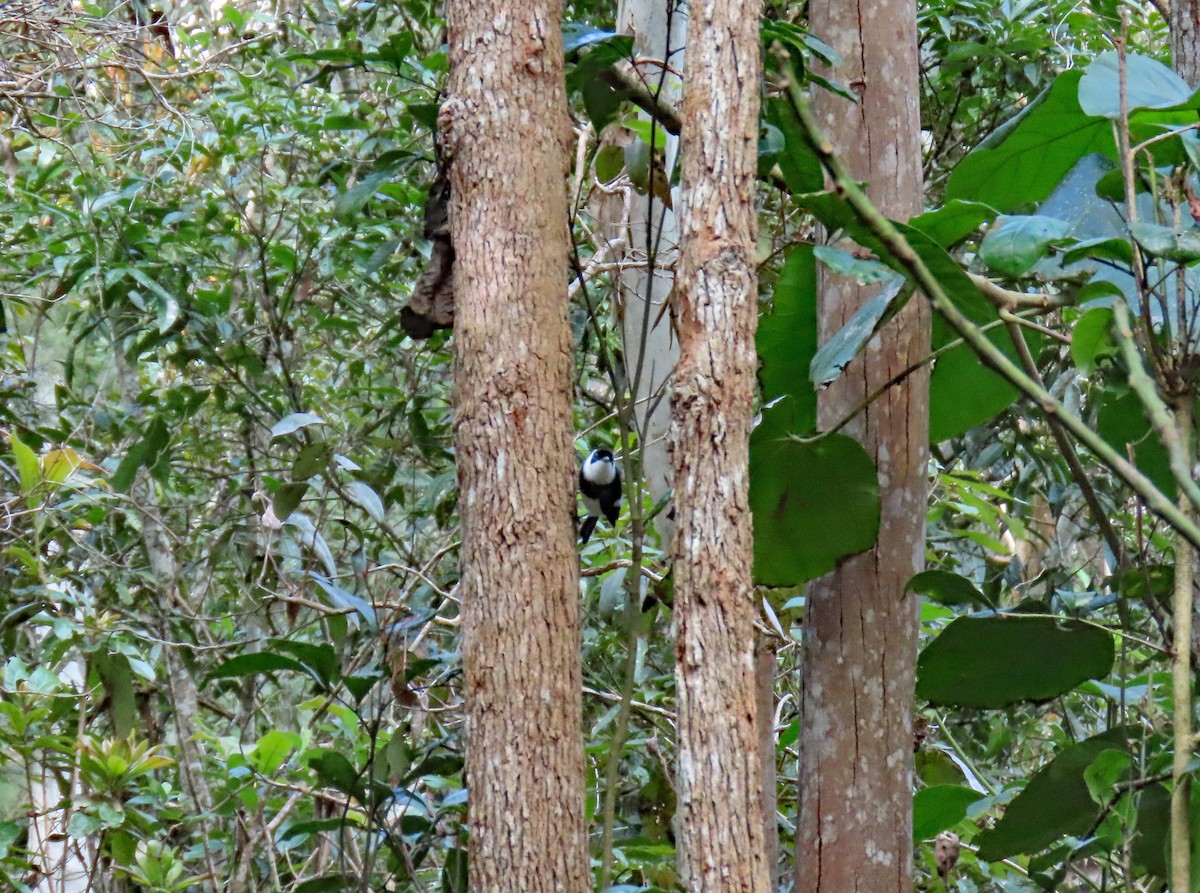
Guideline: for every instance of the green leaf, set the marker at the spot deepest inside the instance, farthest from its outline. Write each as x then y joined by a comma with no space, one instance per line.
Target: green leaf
253,664
610,161
1055,803
1015,244
28,473
146,451
454,872
354,199
1148,83
335,771
1178,245
800,168
842,262
787,337
812,503
367,499
946,588
321,659
1022,161
294,422
344,122
1091,339
334,882
287,498
835,355
953,222
963,392
115,673
1122,421
311,461
1103,248
1001,660
1109,767
272,750
939,808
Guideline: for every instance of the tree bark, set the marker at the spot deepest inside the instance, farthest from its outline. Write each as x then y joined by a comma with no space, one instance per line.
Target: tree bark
855,825
1185,40
506,130
720,833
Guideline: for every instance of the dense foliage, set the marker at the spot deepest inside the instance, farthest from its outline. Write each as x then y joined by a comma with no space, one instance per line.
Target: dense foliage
227,603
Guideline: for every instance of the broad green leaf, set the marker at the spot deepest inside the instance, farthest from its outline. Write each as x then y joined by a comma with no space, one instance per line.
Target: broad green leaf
146,452
963,392
939,808
115,673
295,422
287,498
321,659
610,161
1103,248
1109,767
354,199
812,503
335,771
340,598
1091,339
800,168
1055,803
1148,83
1122,421
1014,244
842,262
272,750
787,337
311,461
253,664
331,882
26,459
835,355
1178,245
1022,161
953,222
57,465
947,588
367,499
1001,660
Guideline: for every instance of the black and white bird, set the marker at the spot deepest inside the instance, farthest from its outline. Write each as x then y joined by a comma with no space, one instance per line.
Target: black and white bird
600,486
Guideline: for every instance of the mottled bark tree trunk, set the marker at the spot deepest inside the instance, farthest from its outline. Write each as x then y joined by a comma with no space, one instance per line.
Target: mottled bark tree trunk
720,830
1185,40
506,130
860,642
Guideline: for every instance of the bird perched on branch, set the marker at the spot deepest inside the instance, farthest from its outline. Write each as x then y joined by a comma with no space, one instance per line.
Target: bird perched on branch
600,486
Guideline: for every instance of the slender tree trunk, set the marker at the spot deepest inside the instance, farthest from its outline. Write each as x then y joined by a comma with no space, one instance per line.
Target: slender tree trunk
855,826
506,131
1185,40
720,831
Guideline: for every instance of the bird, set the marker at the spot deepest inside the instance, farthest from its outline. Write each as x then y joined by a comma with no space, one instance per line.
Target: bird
600,486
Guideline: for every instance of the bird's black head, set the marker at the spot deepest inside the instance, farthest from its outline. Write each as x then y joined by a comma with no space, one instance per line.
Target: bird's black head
599,467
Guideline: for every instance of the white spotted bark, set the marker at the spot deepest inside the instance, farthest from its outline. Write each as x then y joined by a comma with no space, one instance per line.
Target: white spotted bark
860,641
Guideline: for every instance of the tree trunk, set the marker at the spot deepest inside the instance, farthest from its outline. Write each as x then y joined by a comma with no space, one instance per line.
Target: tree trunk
720,831
855,826
649,231
1185,40
506,132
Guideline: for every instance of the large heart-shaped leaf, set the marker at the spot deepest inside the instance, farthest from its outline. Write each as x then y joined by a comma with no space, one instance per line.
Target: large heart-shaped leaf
813,503
1000,660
